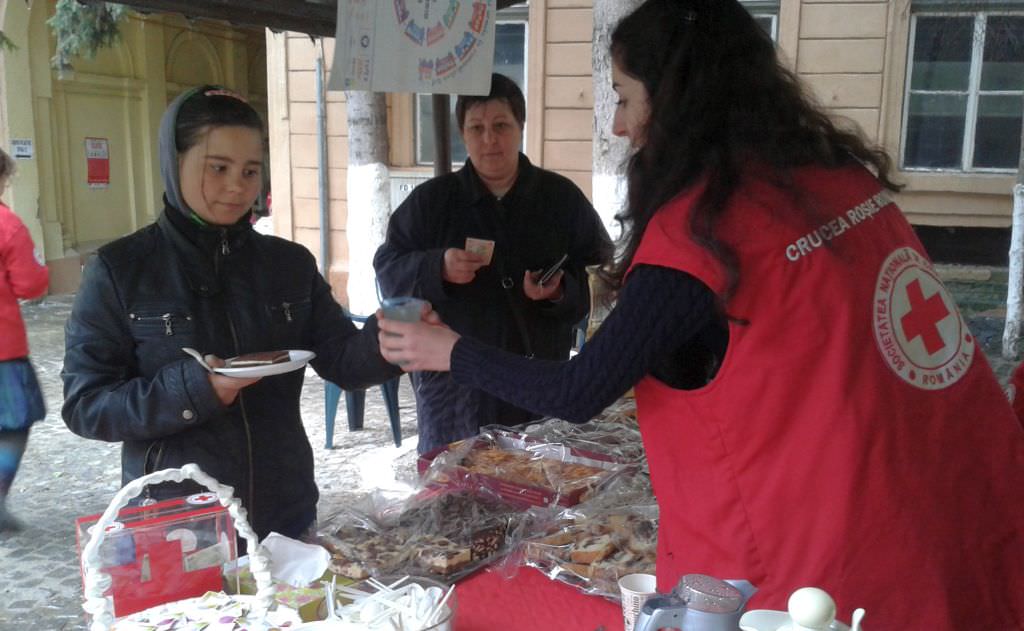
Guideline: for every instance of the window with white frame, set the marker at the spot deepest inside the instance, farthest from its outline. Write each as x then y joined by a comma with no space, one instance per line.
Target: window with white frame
965,88
766,14
510,41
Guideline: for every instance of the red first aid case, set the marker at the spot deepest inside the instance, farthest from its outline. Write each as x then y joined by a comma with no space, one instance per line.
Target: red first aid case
166,551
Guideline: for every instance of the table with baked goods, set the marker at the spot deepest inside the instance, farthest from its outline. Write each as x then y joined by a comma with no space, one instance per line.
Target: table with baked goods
533,525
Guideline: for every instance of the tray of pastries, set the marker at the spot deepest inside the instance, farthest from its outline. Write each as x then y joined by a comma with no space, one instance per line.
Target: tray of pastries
593,552
520,469
447,535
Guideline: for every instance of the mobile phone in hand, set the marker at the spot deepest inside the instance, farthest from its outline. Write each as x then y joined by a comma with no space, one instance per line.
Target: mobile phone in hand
549,272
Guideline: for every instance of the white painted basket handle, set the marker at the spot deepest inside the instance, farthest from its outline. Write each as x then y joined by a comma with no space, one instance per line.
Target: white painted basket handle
97,583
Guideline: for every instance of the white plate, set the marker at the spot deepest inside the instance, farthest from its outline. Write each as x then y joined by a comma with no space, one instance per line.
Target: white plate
297,359
768,620
199,609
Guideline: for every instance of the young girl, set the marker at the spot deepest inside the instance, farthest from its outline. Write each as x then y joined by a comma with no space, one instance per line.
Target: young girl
22,275
201,277
813,407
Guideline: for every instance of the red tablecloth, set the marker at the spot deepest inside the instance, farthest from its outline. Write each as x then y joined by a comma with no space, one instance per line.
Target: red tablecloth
531,602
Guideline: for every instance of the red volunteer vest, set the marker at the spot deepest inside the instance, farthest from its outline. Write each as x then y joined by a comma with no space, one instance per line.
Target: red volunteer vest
855,438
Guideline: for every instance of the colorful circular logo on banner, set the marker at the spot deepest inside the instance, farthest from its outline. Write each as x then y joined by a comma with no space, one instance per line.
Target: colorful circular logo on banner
919,329
449,31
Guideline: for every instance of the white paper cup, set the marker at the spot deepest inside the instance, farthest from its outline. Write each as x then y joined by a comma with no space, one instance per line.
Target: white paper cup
636,589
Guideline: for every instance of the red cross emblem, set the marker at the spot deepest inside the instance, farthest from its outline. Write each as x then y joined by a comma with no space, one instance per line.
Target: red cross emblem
910,303
923,318
201,498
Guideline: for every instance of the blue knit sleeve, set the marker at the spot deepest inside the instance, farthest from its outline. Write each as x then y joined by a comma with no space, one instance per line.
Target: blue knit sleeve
658,311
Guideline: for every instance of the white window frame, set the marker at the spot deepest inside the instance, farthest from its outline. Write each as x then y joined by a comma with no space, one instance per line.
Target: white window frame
765,9
973,93
518,14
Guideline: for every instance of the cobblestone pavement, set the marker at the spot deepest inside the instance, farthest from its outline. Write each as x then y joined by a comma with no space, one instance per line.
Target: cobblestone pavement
64,476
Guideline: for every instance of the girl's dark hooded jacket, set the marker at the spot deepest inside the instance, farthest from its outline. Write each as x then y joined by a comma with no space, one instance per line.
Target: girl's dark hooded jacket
225,291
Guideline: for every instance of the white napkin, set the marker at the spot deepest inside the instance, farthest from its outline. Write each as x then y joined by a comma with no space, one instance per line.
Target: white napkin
295,562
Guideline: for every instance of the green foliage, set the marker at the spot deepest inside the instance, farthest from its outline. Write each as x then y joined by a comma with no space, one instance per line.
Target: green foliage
83,29
6,43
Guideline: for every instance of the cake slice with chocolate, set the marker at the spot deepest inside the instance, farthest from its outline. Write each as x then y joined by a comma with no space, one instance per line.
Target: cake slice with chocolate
258,359
439,555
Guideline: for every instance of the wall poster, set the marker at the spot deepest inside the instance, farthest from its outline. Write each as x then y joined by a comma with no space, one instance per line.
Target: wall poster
97,158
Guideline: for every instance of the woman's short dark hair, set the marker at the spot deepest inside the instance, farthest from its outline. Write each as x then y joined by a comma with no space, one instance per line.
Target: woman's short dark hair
503,89
209,107
721,104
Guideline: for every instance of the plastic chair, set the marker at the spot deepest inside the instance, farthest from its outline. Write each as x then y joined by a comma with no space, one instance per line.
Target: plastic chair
579,332
355,405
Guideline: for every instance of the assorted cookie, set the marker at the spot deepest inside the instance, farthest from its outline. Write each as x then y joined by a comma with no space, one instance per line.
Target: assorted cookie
524,467
594,552
444,535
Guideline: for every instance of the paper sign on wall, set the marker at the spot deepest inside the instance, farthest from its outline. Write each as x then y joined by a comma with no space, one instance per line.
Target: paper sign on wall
429,46
97,158
22,149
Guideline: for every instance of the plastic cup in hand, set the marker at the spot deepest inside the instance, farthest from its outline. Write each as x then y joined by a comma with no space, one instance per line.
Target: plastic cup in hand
403,309
636,589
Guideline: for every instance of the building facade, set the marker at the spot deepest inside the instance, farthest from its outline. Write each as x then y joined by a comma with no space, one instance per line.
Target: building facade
938,84
85,138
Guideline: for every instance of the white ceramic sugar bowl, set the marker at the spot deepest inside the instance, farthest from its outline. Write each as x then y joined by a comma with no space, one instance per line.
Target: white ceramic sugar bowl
810,609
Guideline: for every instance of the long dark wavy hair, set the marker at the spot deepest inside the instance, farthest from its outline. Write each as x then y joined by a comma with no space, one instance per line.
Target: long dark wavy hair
720,101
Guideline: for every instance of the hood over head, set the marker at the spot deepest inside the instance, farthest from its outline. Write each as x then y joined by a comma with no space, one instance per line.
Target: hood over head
169,151
211,108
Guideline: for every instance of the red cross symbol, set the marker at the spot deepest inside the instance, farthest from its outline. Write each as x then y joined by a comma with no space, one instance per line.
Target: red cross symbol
202,498
923,318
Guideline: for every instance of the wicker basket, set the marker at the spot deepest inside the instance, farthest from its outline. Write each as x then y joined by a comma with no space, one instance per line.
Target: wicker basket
97,582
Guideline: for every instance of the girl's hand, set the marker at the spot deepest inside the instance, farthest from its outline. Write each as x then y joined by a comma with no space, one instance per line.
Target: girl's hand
424,345
551,290
227,388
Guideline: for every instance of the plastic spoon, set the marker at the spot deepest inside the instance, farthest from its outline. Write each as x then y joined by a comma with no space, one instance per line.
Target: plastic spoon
198,357
330,598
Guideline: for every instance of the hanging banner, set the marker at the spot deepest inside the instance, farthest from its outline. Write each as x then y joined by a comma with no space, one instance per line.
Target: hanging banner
97,159
426,46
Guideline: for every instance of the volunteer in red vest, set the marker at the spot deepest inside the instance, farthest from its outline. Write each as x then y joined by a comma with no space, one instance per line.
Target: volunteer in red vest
814,409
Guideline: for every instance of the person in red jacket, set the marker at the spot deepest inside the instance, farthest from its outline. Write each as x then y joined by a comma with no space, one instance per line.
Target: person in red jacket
22,275
814,409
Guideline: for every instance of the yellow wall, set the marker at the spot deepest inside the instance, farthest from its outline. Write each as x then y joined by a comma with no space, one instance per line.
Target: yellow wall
18,119
120,96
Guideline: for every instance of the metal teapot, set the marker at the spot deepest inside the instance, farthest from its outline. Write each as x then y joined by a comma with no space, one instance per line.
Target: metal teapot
698,603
